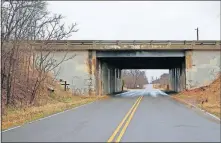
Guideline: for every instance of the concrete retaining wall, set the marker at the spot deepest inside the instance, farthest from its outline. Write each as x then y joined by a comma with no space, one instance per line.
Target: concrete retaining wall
202,68
85,72
74,71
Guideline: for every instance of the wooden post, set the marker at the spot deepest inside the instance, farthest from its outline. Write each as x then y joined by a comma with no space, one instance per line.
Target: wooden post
65,85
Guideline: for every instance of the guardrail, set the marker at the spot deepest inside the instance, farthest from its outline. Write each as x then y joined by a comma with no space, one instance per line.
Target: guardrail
66,45
128,42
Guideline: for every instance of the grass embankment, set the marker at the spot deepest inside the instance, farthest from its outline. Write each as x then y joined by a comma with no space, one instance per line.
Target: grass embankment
48,105
206,98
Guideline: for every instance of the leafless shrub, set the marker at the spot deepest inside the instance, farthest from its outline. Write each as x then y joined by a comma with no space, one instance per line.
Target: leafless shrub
23,71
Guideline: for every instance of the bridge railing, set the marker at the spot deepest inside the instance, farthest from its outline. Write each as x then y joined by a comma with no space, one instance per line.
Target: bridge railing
129,42
121,44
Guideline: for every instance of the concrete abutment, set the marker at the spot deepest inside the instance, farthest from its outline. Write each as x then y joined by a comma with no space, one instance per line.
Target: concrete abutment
108,78
90,74
191,72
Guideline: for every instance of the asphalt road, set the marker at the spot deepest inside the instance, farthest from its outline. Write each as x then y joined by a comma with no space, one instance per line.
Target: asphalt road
155,117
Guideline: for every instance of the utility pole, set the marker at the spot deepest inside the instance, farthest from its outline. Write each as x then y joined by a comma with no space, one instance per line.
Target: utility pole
197,32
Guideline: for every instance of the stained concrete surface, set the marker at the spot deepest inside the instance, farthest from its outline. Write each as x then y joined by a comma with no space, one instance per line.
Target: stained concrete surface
158,118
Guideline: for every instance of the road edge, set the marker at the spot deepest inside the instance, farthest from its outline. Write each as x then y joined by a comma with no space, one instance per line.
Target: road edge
191,105
48,116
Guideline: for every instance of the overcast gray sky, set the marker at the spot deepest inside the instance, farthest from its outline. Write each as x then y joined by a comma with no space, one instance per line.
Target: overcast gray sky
141,20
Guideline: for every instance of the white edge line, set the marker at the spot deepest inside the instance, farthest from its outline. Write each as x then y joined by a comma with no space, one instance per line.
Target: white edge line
202,110
47,117
206,112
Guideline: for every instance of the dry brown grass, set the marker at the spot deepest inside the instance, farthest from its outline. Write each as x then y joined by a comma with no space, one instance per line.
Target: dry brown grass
15,117
206,98
46,105
214,109
24,107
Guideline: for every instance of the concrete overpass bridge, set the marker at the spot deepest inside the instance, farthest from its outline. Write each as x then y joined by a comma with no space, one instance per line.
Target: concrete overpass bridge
97,66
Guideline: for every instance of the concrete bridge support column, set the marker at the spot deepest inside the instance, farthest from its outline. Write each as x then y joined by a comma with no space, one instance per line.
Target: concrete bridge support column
115,79
99,78
92,67
118,81
112,78
175,79
105,76
178,79
188,63
170,79
180,82
183,77
108,80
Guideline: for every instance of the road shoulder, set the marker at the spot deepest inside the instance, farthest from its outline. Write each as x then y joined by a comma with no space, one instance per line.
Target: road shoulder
19,117
194,105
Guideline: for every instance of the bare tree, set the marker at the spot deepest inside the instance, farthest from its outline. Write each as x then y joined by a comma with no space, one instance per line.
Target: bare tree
132,78
152,79
22,22
135,74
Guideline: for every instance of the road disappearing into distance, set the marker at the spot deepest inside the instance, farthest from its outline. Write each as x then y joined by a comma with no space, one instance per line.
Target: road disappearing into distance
143,115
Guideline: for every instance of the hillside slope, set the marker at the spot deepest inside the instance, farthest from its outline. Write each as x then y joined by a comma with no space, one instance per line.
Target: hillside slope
49,98
207,97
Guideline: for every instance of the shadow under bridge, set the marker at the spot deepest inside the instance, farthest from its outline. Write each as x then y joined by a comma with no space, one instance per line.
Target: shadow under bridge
110,64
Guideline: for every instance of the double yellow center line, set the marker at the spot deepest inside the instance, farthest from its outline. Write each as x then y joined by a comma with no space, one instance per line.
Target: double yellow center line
127,118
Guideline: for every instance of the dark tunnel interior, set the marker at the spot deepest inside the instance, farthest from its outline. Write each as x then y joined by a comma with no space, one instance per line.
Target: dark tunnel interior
144,62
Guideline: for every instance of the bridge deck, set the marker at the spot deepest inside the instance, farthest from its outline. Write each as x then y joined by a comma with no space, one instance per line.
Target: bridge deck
129,42
66,45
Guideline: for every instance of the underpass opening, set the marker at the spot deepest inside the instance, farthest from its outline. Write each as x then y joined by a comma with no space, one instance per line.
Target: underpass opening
111,64
134,79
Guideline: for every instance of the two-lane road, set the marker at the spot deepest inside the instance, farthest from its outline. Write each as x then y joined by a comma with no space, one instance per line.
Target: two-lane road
136,116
